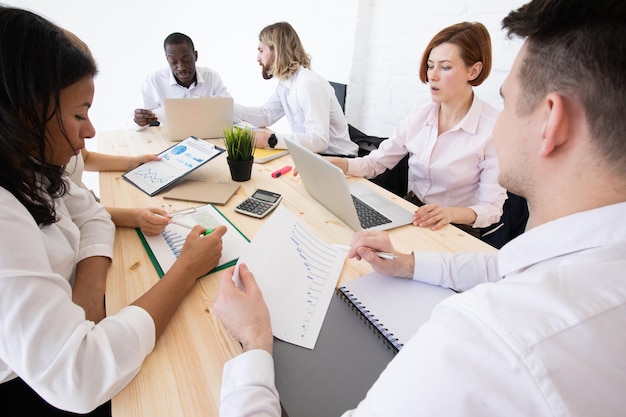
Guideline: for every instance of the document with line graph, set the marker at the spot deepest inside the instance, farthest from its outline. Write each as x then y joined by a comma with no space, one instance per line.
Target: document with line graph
176,162
164,248
297,273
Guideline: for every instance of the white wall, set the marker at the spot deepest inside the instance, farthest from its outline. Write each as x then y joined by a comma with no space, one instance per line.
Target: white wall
126,38
372,45
392,35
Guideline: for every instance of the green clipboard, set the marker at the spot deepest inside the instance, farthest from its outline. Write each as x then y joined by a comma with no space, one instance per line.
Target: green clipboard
155,260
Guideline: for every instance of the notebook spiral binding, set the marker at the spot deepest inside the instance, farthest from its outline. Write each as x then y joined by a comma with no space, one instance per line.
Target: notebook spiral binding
377,327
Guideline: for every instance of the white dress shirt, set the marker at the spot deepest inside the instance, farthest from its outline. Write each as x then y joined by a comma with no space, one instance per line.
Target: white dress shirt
45,339
312,110
458,168
548,340
162,84
459,271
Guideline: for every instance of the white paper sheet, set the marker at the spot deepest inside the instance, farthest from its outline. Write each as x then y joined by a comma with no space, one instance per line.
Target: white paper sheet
297,274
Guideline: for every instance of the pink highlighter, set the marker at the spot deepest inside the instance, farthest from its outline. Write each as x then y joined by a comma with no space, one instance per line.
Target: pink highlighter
281,171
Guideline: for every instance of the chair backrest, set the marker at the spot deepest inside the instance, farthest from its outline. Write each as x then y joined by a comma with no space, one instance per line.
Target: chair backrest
396,179
366,142
340,91
512,223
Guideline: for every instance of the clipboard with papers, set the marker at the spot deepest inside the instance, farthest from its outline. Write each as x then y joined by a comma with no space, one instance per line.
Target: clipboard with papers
163,249
176,162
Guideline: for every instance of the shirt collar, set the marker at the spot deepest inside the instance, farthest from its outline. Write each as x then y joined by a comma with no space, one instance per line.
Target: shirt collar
574,233
469,123
199,80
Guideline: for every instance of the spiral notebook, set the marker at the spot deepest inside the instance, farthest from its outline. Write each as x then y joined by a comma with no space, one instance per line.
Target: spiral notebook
395,307
368,321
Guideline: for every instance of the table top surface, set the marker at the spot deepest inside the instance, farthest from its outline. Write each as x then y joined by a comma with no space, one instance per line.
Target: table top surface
182,376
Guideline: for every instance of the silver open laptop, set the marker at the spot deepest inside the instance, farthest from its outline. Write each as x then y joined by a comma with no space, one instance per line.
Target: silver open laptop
328,185
202,117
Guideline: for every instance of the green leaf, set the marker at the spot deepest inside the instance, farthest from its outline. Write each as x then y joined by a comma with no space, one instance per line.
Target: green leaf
239,143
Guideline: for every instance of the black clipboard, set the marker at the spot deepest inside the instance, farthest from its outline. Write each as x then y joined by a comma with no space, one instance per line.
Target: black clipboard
177,161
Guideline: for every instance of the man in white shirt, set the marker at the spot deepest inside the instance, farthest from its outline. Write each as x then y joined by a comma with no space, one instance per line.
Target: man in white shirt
549,338
181,80
303,96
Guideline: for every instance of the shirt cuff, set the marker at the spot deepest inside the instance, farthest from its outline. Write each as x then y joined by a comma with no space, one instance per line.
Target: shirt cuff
427,267
353,167
95,250
143,325
255,367
248,387
483,217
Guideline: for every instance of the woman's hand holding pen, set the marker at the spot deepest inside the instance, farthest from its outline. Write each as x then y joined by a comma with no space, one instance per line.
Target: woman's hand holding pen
201,252
366,244
199,255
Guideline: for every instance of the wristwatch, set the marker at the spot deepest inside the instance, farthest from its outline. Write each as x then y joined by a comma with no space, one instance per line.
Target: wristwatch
272,141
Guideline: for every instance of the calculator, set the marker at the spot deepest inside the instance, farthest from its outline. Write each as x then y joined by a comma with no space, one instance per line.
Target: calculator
259,204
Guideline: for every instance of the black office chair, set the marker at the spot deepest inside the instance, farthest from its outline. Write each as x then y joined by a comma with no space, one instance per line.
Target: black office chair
341,91
512,223
396,179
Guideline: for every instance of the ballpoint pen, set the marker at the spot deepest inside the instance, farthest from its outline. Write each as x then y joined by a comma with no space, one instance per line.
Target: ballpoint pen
383,255
185,225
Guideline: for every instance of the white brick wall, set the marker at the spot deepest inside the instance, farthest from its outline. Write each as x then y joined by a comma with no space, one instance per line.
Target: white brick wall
390,38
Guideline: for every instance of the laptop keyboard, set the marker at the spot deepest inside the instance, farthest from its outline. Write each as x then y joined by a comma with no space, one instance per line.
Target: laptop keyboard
368,217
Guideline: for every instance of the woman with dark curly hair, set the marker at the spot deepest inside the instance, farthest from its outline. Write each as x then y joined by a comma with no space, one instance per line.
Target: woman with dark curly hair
58,350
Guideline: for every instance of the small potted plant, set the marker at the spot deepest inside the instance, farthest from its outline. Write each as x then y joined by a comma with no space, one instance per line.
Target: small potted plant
239,144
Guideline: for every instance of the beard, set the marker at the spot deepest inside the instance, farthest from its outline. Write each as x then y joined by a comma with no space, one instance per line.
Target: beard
265,72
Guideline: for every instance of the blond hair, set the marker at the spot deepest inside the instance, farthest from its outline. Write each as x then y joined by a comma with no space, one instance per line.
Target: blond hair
289,53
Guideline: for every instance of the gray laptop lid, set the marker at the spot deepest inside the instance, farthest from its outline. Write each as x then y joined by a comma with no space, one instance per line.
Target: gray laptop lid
327,184
202,117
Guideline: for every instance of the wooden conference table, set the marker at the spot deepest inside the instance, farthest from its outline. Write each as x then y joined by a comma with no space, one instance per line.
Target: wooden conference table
182,376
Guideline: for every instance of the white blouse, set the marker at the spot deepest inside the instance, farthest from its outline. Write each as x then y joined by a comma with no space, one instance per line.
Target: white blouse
45,339
458,168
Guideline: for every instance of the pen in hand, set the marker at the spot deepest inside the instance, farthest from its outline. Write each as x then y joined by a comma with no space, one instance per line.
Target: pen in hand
383,255
185,225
